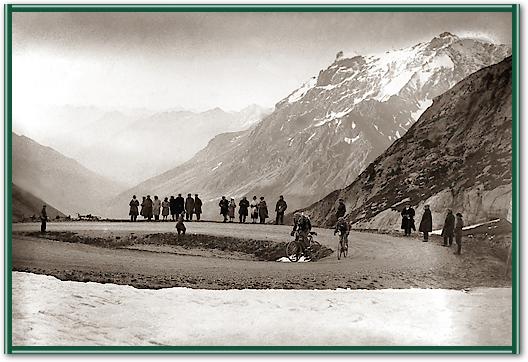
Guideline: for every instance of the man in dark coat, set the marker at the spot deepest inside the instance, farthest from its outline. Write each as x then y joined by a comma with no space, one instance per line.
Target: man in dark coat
197,207
43,219
459,225
426,225
341,209
408,220
147,208
448,230
189,207
224,207
280,207
243,209
172,207
134,208
180,205
263,210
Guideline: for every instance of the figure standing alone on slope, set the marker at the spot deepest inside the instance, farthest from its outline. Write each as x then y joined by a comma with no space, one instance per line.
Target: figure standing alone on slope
449,228
43,219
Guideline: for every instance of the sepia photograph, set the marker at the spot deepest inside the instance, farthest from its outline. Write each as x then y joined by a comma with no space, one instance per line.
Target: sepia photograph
261,178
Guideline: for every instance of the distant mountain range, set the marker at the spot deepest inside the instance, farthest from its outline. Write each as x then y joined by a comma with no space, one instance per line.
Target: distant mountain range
136,144
61,181
458,155
26,205
324,134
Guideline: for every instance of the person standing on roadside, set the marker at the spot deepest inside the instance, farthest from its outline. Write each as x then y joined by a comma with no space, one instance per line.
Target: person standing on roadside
243,209
147,209
165,206
134,208
426,225
254,209
197,207
156,207
172,206
459,225
263,210
449,228
189,207
280,208
224,207
231,209
43,219
180,205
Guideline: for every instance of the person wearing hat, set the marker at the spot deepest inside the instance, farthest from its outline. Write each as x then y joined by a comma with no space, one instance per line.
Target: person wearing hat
263,210
449,228
341,209
197,207
134,208
458,232
426,225
280,207
43,219
189,207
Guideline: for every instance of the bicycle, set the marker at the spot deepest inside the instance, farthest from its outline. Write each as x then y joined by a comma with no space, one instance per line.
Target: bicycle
294,250
342,246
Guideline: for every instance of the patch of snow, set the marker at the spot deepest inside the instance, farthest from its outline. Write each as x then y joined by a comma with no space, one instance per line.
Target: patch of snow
218,165
407,199
352,140
48,311
332,116
375,126
398,134
301,92
284,259
422,106
312,136
290,141
353,125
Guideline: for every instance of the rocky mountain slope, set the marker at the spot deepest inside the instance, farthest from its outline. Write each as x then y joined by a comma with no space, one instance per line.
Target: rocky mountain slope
136,144
321,136
25,205
61,181
457,155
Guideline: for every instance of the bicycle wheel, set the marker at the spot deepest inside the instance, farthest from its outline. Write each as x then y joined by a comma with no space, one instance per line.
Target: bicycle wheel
293,251
339,250
345,249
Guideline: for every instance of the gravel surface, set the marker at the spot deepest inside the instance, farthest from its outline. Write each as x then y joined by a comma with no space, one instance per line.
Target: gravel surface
125,253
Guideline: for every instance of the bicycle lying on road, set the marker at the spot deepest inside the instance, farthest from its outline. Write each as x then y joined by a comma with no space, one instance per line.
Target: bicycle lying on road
294,250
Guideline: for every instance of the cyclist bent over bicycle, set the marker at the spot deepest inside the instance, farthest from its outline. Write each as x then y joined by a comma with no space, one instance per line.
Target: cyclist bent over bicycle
302,225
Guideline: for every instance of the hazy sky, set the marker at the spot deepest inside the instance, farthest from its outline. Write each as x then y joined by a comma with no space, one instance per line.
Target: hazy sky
204,60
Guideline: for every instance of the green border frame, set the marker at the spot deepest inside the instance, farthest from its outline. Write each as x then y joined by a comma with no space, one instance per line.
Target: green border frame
9,9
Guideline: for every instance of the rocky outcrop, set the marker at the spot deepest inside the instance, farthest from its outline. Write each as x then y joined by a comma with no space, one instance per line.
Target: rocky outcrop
458,155
324,134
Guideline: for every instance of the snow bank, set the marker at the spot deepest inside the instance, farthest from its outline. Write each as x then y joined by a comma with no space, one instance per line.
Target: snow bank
47,311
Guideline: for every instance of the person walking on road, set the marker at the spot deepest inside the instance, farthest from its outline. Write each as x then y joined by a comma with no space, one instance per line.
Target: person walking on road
224,208
43,219
449,228
280,208
197,207
134,208
426,225
459,225
243,206
254,209
189,207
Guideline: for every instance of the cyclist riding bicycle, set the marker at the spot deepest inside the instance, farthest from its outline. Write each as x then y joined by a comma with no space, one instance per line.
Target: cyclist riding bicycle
344,229
303,226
